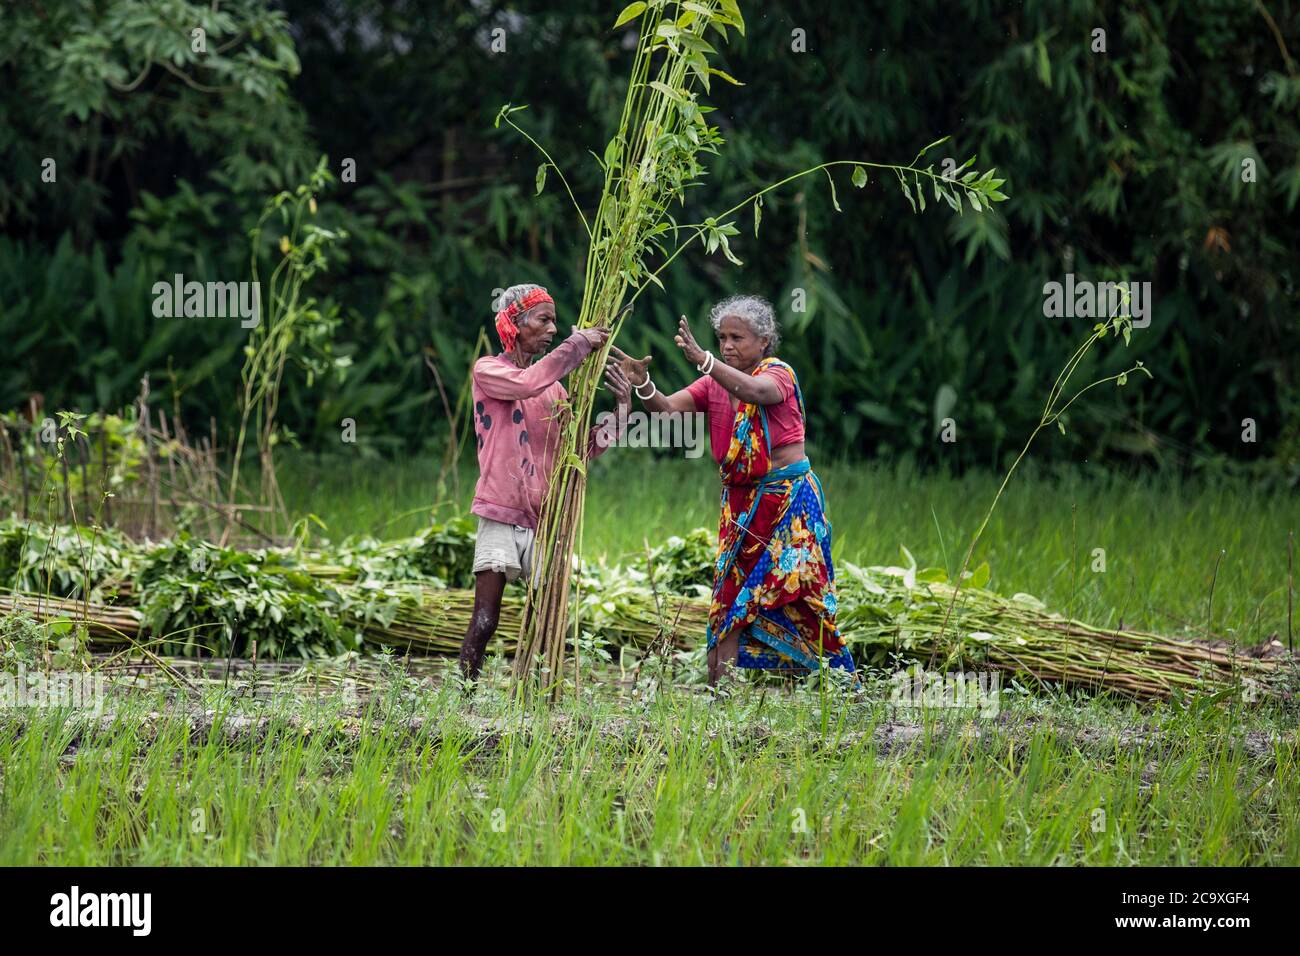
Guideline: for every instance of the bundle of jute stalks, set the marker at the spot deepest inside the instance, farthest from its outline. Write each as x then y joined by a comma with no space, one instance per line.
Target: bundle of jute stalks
106,626
650,163
889,616
410,619
433,621
900,613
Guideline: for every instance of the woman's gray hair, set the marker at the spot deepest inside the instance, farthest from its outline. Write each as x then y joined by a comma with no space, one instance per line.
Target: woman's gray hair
756,312
510,296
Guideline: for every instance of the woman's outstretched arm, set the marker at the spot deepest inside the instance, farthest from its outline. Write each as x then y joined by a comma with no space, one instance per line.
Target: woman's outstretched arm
751,389
637,372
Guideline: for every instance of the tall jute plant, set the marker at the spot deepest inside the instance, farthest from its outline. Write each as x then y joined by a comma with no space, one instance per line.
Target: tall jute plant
1119,323
288,324
651,161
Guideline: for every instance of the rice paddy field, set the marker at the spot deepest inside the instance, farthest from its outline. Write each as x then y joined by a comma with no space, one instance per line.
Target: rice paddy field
413,776
381,759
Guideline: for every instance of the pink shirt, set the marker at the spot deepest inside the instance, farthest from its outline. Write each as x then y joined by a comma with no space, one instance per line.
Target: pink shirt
518,434
784,422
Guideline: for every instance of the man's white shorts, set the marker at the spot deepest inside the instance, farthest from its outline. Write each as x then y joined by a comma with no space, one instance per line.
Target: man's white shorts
503,547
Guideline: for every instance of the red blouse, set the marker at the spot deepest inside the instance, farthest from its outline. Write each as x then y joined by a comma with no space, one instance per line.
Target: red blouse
784,422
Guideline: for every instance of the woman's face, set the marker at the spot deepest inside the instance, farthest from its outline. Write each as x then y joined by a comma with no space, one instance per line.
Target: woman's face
740,347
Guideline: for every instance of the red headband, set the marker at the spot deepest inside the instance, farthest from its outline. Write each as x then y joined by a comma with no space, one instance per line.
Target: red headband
507,330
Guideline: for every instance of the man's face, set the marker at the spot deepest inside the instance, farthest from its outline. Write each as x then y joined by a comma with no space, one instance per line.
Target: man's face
537,328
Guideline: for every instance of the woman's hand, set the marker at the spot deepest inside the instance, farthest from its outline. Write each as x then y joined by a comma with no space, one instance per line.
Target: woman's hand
686,342
636,371
618,384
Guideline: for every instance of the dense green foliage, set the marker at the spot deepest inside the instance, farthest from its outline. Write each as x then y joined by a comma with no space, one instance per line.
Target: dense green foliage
197,597
59,560
1126,164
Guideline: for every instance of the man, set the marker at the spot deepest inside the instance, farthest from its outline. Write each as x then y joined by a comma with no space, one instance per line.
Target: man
518,419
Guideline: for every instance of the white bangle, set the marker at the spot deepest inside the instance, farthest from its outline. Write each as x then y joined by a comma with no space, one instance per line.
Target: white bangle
654,389
706,366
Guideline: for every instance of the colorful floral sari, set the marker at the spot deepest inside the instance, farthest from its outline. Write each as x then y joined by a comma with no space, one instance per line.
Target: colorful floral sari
774,582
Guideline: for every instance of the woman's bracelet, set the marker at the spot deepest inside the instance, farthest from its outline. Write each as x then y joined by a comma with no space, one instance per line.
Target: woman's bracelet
654,389
706,366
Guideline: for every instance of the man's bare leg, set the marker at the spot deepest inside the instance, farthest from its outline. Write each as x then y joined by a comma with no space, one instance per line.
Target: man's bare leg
726,651
488,588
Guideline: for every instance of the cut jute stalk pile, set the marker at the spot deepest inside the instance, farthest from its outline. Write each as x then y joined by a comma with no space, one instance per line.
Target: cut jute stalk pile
412,619
106,626
187,597
903,611
888,615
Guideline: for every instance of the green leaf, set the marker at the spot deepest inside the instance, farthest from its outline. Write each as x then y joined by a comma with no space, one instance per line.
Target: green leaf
758,213
630,12
732,9
541,178
702,71
933,145
726,250
907,556
697,44
666,90
859,176
834,199
906,192
611,153
726,76
506,111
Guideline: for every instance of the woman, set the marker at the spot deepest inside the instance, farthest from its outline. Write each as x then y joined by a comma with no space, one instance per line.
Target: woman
774,584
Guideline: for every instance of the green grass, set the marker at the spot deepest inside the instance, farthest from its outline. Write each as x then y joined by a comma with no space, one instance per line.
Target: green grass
1162,536
763,775
751,779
